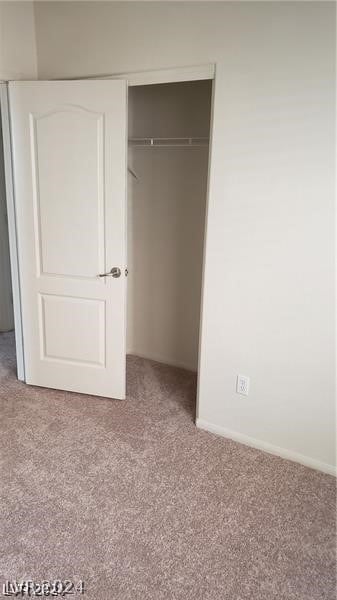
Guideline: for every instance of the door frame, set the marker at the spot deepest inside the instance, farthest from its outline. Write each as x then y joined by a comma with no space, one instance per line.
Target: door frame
12,230
179,75
171,75
151,77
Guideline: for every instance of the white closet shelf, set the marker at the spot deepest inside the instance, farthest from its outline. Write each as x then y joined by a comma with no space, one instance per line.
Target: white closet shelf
156,142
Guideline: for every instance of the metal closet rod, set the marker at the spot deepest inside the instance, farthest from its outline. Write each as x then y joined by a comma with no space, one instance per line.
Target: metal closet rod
164,142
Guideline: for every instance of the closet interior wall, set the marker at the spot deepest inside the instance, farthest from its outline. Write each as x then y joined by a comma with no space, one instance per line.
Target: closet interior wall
166,221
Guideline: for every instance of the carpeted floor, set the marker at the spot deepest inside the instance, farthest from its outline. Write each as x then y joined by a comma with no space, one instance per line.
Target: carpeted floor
131,498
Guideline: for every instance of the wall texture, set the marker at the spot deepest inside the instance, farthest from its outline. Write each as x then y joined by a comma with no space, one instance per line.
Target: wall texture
269,294
17,41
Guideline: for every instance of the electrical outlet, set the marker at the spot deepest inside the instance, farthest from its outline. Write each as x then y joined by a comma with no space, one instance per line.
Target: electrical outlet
242,385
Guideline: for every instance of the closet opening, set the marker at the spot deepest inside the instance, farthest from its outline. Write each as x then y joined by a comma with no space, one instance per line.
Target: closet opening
168,156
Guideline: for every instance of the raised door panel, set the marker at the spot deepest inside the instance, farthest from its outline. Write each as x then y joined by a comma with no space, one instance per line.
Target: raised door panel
67,152
61,317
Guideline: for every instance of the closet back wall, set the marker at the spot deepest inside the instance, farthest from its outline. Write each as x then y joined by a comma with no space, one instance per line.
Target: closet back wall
166,217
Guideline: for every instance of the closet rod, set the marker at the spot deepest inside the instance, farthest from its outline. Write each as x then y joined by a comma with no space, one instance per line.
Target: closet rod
165,142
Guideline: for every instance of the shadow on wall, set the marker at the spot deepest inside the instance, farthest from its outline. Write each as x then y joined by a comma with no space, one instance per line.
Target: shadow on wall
6,303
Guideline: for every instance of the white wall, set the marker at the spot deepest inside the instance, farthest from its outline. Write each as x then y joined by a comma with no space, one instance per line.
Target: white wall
17,41
269,294
166,218
18,60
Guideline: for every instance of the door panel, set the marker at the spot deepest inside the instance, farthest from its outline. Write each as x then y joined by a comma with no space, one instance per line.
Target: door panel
59,316
68,175
69,147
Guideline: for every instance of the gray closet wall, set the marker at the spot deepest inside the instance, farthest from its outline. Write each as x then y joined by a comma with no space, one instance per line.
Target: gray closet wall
166,217
6,304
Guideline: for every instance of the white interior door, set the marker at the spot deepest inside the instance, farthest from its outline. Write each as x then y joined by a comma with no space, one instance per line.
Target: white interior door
69,155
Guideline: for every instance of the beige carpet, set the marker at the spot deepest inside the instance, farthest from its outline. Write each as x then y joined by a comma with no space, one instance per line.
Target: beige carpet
131,498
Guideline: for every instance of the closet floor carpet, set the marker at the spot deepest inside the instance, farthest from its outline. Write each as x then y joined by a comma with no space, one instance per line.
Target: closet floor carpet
135,501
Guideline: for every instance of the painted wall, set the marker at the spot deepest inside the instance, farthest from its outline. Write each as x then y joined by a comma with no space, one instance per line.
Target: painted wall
166,218
17,41
18,60
269,294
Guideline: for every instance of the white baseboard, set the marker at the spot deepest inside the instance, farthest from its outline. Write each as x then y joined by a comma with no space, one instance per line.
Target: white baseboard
266,447
163,360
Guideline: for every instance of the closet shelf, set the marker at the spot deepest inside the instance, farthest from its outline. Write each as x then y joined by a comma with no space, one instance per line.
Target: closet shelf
169,142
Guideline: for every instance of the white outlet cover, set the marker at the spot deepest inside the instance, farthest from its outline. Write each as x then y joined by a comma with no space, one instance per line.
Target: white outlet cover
242,385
